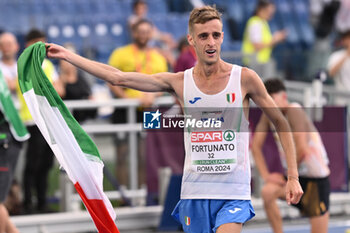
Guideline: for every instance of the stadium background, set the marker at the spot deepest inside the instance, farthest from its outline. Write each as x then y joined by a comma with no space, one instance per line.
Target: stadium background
101,26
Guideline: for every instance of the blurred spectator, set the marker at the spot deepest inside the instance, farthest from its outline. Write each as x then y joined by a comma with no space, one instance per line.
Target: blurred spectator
339,66
9,48
187,56
140,10
39,157
167,43
136,57
312,161
323,17
325,22
75,86
9,151
343,16
12,133
258,41
183,6
13,201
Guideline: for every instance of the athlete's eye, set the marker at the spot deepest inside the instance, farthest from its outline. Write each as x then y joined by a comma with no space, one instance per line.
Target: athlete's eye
203,36
216,35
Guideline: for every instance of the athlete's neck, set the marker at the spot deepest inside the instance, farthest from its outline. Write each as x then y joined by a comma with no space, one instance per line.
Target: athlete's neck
207,71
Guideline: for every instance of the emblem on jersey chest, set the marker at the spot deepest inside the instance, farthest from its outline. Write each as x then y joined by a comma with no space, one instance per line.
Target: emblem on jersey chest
230,97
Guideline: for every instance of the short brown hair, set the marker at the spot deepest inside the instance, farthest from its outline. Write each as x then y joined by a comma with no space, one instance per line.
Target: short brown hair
202,15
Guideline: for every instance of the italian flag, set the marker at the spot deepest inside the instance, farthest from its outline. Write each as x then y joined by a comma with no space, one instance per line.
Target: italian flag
187,220
230,97
73,148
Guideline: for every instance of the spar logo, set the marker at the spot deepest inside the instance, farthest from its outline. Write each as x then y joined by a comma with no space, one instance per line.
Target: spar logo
211,136
229,135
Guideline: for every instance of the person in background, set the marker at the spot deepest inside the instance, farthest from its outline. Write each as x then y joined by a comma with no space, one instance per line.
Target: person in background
339,66
137,57
12,134
76,87
312,164
187,56
39,157
258,41
163,41
9,48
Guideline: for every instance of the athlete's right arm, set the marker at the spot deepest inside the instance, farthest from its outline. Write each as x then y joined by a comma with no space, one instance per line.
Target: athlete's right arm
142,82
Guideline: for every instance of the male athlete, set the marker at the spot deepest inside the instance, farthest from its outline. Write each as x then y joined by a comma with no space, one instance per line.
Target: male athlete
312,164
219,200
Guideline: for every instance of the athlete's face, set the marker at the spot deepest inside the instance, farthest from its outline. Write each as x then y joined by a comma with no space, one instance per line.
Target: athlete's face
280,99
207,39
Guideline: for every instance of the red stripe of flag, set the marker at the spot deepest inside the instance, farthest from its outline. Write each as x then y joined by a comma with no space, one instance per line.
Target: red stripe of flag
98,212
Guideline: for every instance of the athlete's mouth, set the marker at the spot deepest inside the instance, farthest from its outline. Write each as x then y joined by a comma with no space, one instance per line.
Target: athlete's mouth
210,51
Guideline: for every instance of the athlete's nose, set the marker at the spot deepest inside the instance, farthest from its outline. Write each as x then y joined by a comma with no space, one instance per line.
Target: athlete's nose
211,40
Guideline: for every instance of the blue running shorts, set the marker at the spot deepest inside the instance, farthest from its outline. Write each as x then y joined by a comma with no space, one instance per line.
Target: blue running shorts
205,216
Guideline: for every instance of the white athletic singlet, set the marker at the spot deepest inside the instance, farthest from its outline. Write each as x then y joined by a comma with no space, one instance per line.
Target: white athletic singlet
217,159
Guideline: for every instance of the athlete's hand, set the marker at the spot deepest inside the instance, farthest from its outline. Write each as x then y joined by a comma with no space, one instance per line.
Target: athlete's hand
293,191
55,51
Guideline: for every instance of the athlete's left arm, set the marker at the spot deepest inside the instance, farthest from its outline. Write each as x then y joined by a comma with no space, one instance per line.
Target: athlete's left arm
254,88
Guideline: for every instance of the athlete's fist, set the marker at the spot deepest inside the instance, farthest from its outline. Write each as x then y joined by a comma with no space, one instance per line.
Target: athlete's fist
55,51
293,191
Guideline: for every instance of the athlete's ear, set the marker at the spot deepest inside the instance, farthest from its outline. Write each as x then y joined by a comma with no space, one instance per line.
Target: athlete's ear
190,39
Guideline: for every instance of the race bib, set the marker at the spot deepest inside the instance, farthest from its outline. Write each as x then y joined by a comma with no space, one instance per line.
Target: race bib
213,151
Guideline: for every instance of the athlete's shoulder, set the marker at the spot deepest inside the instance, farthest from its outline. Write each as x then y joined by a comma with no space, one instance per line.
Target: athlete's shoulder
179,75
249,75
170,75
251,83
175,79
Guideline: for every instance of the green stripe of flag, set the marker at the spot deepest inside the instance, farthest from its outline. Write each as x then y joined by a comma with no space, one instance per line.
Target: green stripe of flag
32,76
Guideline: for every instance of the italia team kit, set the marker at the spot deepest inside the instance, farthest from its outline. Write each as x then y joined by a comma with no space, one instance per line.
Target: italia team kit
216,180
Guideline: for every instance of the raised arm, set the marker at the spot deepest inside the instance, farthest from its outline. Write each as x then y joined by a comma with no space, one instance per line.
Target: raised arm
255,89
143,82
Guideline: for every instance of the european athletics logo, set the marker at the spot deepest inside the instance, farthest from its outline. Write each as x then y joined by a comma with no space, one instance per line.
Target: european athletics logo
151,120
